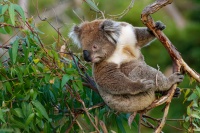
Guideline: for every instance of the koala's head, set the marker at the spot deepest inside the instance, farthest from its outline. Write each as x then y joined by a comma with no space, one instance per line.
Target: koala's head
97,39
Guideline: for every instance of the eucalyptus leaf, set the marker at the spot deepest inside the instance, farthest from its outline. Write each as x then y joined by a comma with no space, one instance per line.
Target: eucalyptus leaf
15,47
65,79
20,11
120,124
12,13
30,119
41,109
2,116
92,5
4,9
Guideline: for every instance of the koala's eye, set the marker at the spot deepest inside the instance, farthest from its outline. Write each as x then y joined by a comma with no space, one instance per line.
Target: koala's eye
94,47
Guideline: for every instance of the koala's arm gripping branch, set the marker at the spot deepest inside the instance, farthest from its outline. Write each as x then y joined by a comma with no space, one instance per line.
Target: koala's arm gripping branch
175,55
109,76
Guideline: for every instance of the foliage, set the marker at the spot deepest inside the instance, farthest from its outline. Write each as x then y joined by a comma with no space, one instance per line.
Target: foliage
45,88
42,89
192,120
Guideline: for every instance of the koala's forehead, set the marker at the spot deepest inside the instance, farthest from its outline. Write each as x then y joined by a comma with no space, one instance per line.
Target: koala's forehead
90,31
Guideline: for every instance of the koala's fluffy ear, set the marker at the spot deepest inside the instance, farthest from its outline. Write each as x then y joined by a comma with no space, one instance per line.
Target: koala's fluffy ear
111,30
74,35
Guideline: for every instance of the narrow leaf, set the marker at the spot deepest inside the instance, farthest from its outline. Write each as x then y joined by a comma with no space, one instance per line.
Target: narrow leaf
65,79
1,116
20,11
92,5
19,113
29,119
4,9
195,115
15,50
198,91
12,13
41,109
19,124
120,124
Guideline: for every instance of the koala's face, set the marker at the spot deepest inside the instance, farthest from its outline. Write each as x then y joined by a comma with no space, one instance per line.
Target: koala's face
97,39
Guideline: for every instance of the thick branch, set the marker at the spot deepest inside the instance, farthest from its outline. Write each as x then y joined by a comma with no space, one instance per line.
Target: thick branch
175,55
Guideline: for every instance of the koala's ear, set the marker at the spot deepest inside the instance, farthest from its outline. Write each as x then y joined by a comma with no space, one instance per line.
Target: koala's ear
111,30
74,35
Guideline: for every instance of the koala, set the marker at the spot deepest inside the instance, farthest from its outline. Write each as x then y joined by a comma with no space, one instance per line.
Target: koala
124,80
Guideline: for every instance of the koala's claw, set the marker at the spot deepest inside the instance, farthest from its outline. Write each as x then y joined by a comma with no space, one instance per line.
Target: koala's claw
177,92
159,25
177,77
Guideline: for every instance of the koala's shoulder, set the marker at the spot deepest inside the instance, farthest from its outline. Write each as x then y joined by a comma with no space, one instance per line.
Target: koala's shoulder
126,48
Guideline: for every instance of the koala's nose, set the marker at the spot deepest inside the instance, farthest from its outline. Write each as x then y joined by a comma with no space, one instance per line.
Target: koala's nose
86,56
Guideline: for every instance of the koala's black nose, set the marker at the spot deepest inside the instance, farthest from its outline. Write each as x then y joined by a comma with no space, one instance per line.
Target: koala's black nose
86,55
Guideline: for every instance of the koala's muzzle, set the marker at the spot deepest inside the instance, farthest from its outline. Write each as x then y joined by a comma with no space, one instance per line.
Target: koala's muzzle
86,56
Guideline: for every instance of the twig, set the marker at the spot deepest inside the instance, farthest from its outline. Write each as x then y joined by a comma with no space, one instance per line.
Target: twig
78,16
119,16
87,113
5,25
148,123
96,106
103,126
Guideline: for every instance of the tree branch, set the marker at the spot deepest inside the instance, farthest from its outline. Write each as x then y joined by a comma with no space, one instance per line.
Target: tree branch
175,56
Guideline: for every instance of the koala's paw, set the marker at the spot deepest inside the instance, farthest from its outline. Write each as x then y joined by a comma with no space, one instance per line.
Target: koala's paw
159,25
177,92
148,84
176,77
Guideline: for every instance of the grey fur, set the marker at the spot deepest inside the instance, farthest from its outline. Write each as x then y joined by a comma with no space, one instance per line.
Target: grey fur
129,86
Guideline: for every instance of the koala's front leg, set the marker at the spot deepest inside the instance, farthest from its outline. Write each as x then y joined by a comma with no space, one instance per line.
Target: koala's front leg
112,80
165,83
144,35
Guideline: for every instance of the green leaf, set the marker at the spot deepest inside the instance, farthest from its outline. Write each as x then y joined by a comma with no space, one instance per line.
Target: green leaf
198,91
29,119
12,13
120,124
4,9
47,77
15,50
1,116
41,109
26,108
187,92
19,124
8,30
188,111
198,129
193,96
65,79
47,128
92,5
18,112
195,115
20,11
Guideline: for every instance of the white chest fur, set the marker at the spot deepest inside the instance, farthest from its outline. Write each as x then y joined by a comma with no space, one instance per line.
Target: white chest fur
126,49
